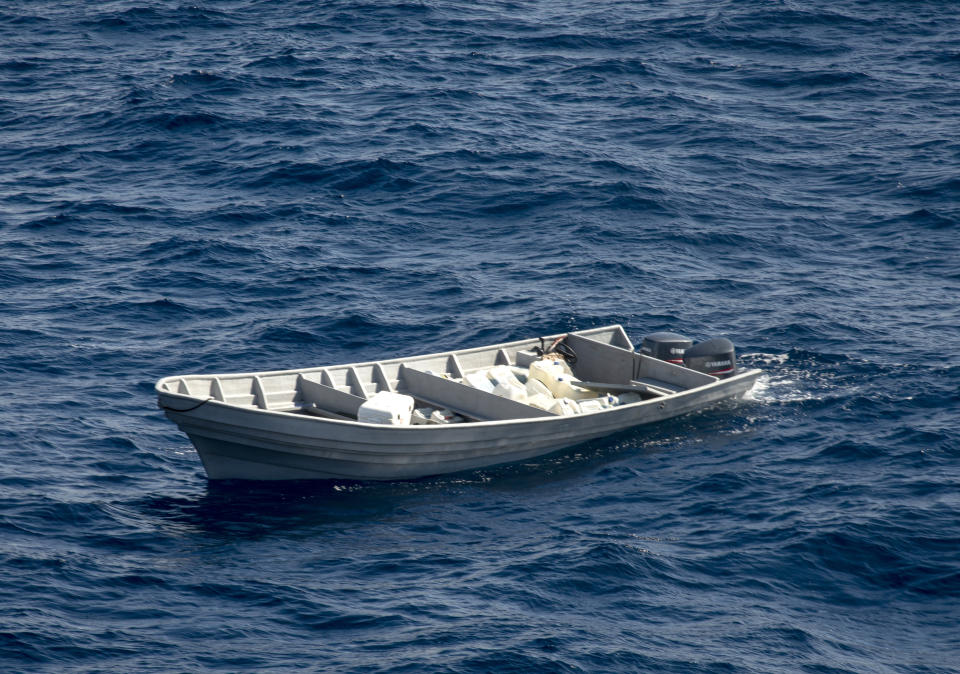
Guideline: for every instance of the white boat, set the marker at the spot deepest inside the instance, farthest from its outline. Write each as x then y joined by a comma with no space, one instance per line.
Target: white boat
302,424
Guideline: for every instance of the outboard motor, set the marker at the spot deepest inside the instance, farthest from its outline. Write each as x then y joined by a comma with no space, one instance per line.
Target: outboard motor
714,356
668,346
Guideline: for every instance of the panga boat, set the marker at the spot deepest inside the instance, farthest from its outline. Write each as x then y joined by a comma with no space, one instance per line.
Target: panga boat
446,412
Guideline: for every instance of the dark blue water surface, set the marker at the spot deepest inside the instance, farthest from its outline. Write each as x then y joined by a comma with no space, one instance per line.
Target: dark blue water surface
248,185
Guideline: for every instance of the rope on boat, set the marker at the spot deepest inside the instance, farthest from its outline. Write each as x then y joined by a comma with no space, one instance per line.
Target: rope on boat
567,352
189,409
559,346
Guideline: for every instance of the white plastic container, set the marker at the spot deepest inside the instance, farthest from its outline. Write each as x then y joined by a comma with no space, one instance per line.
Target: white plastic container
566,387
479,380
535,387
421,416
502,374
592,405
385,407
512,390
546,372
541,402
608,400
543,371
563,365
445,416
629,398
565,407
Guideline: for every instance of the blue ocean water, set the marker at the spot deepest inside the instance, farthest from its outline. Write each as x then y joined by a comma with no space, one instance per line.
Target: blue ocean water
241,185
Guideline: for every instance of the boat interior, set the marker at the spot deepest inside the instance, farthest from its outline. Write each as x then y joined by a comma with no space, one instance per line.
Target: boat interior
604,361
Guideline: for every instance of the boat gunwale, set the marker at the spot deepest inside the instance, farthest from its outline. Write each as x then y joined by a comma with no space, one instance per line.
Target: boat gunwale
388,361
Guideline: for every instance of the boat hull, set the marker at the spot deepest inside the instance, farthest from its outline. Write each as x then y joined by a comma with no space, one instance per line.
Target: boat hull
237,443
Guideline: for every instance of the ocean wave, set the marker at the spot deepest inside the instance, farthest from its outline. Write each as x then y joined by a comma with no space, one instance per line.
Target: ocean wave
254,186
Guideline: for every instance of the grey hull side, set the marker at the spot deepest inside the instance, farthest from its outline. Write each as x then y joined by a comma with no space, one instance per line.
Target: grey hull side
252,444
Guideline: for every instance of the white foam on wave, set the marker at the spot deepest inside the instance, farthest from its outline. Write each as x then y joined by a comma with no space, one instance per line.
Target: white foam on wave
770,358
781,383
783,388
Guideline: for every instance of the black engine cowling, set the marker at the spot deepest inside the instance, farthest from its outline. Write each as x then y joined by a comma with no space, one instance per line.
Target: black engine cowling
714,356
668,346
